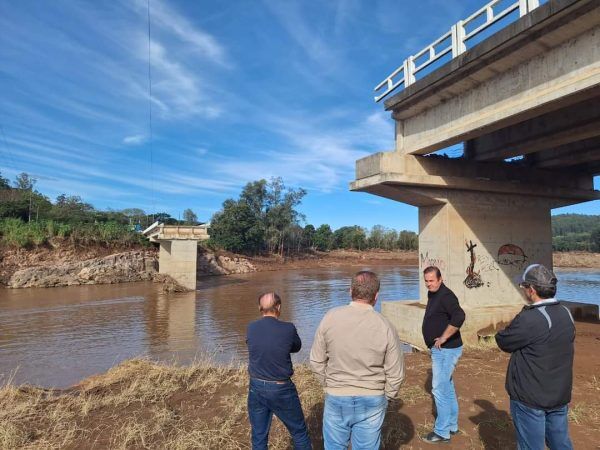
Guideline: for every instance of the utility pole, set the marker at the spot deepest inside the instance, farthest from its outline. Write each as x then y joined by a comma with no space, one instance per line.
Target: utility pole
30,199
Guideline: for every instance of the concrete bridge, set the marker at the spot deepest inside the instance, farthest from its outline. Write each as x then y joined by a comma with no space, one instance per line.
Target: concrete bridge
525,105
178,250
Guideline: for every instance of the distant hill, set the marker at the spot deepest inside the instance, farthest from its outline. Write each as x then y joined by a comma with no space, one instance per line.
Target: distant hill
576,232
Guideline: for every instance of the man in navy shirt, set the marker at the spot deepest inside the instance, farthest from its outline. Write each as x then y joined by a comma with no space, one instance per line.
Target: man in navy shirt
270,342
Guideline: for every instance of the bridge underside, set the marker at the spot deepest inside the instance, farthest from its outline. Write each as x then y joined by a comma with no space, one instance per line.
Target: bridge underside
525,104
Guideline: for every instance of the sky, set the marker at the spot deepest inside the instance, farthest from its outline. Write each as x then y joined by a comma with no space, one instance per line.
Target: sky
240,90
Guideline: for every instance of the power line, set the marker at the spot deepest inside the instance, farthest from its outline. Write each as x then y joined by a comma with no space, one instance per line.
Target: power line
150,114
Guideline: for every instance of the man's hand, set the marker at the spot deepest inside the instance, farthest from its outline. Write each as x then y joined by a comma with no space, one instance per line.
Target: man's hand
438,342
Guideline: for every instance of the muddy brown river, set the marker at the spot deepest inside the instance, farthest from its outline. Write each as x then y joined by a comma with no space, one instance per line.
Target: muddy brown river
56,337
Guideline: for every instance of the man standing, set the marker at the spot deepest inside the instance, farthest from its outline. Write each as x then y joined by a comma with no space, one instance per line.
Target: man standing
441,324
270,342
357,356
539,378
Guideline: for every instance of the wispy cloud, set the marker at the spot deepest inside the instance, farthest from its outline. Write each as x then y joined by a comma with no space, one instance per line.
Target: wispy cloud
203,43
135,139
317,155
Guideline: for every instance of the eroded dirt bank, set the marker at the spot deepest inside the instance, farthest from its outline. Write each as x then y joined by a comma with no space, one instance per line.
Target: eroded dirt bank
64,265
139,404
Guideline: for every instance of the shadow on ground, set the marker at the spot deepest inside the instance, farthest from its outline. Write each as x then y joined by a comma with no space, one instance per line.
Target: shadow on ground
495,426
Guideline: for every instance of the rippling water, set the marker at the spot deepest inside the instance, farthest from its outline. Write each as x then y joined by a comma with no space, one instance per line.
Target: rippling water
56,337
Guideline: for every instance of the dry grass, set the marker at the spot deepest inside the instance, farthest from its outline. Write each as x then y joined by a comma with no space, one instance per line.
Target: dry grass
142,404
129,406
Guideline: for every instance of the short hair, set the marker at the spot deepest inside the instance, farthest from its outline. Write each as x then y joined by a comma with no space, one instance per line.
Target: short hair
365,285
272,306
435,269
544,291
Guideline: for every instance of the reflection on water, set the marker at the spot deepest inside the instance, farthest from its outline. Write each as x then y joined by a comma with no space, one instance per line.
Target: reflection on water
56,337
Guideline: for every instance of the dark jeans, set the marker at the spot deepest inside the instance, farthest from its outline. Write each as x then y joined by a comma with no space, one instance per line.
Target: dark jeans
536,427
266,398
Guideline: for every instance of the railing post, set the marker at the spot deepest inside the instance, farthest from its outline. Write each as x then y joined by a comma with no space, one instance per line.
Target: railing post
409,71
526,6
458,39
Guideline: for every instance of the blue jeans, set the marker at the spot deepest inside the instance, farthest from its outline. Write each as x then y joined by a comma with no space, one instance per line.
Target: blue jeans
534,427
266,398
356,417
443,362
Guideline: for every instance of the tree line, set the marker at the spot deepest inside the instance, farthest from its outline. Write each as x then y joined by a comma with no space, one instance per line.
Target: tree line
265,219
29,218
576,232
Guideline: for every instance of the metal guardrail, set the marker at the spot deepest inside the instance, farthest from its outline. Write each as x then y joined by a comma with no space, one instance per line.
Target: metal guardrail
454,41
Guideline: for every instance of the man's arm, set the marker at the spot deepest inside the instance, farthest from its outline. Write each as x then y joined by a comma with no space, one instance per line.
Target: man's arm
393,364
296,341
457,318
447,334
515,336
318,355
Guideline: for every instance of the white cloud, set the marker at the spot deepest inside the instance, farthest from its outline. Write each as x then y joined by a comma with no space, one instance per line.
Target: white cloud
317,154
171,21
136,139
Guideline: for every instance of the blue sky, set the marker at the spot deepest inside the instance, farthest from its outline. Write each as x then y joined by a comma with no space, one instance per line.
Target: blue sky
241,90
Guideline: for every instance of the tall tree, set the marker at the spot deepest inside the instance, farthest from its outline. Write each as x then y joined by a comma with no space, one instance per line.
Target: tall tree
24,181
189,217
4,183
237,228
595,237
323,238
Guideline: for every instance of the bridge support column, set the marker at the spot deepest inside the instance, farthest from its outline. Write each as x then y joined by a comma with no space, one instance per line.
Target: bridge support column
480,223
177,258
481,242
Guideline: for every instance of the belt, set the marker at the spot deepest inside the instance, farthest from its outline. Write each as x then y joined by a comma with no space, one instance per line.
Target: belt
271,381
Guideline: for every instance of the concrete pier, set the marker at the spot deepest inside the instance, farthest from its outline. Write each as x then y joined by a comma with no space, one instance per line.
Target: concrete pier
178,253
532,91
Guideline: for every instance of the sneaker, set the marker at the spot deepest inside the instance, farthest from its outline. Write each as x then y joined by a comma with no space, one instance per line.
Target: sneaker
433,438
454,432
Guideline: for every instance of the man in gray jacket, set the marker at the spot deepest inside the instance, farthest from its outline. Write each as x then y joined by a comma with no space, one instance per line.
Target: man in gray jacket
357,356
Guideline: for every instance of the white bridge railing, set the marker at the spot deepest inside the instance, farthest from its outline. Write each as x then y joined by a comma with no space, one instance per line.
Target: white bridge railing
454,41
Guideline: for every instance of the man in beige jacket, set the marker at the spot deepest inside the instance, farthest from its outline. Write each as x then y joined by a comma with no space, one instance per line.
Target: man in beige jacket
357,356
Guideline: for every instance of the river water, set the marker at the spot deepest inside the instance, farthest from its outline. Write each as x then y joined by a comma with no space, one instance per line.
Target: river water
56,337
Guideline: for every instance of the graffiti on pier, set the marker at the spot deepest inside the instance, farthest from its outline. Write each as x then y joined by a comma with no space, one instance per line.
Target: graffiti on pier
427,261
473,279
512,255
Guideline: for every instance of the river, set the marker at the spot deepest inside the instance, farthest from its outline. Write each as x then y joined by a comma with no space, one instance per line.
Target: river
56,337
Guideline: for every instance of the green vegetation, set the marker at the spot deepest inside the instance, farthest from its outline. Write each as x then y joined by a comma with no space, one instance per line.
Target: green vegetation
29,219
264,219
576,232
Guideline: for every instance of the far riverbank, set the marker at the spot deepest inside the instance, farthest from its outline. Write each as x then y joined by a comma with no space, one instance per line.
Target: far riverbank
61,265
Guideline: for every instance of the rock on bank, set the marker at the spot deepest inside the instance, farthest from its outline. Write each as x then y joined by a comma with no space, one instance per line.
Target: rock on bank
117,268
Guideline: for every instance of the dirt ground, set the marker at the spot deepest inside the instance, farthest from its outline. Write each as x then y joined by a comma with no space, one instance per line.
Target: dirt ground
335,258
13,259
140,404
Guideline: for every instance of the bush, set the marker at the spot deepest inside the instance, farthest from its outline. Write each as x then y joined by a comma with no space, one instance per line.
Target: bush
16,233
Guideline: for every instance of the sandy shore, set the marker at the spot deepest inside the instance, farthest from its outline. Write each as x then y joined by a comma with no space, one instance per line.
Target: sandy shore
140,404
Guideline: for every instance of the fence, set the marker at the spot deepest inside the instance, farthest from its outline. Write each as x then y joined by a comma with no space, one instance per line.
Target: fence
454,42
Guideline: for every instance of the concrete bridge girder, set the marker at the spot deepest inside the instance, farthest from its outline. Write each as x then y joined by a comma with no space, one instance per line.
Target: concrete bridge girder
575,124
499,89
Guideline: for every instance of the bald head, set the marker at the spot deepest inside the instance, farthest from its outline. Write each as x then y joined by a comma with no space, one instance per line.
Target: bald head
269,303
